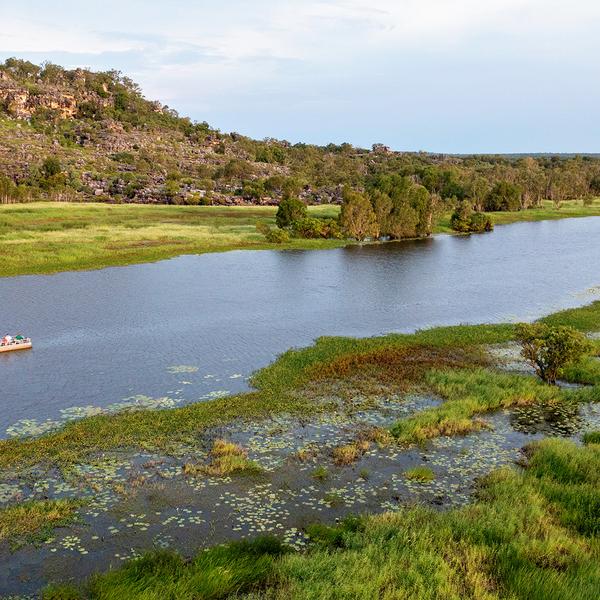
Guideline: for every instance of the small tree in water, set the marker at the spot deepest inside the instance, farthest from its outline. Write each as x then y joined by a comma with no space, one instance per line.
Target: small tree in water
550,349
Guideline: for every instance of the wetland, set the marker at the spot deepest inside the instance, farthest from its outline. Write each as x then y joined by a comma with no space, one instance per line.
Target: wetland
346,435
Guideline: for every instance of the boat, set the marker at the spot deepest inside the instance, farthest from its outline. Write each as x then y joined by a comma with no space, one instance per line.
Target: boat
10,344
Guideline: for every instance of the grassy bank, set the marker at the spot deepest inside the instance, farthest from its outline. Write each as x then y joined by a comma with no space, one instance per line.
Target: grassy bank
51,237
445,361
531,535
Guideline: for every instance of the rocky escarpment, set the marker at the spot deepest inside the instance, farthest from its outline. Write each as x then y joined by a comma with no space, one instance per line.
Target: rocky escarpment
106,142
23,100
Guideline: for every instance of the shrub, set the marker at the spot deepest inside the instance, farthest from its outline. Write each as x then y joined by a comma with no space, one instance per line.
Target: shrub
278,236
550,349
290,210
480,222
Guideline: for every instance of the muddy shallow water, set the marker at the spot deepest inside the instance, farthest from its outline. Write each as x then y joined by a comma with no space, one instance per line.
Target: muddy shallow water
139,501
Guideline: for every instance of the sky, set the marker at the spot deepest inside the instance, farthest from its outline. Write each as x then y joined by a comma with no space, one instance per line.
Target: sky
460,76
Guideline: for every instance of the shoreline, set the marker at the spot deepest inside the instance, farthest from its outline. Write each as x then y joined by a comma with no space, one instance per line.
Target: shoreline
144,251
272,390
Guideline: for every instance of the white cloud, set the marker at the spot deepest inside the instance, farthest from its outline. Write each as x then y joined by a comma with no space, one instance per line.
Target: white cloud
301,64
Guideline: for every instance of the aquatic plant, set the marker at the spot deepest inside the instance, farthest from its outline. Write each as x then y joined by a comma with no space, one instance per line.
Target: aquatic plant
320,473
531,534
349,453
226,458
34,520
420,474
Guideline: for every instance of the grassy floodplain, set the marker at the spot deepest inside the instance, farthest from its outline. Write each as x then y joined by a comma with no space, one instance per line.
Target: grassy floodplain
529,534
44,237
49,237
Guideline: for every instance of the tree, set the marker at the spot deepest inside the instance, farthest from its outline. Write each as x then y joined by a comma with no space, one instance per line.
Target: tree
550,349
382,206
290,210
357,218
50,167
461,217
504,196
465,220
477,190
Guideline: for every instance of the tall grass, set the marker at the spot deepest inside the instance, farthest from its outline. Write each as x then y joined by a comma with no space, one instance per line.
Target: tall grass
221,572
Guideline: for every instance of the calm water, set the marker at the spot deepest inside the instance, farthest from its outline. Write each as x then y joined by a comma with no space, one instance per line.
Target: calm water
196,326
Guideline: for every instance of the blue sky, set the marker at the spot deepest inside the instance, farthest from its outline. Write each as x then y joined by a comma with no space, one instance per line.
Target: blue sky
435,75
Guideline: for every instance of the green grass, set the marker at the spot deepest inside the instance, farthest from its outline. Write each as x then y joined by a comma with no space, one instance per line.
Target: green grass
531,535
586,318
226,459
471,392
34,520
420,474
591,437
443,360
220,572
568,209
48,237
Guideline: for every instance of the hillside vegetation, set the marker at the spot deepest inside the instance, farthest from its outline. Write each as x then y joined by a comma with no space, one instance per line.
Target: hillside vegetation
77,134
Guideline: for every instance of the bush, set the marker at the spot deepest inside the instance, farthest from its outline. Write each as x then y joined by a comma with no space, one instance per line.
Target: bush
277,236
290,210
550,349
313,228
480,222
309,227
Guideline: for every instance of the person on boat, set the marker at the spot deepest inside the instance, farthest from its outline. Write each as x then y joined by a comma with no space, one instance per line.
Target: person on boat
7,340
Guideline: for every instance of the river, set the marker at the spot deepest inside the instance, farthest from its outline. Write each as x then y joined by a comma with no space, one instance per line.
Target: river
195,327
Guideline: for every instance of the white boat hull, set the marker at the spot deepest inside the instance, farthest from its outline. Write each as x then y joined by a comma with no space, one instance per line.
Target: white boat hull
15,347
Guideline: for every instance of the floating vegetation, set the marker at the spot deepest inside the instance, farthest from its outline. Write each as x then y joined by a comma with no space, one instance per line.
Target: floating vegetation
34,428
284,499
547,417
215,395
31,427
182,369
314,466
